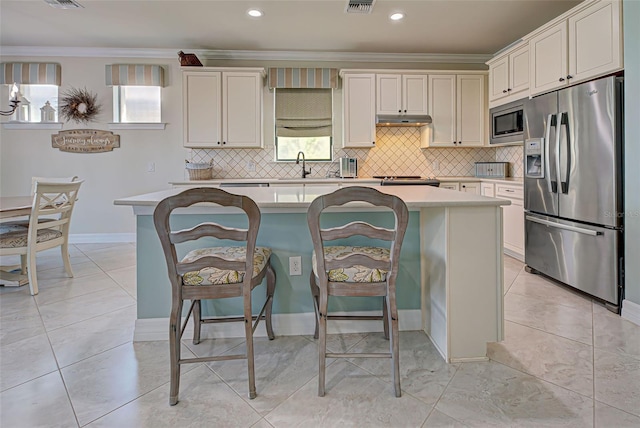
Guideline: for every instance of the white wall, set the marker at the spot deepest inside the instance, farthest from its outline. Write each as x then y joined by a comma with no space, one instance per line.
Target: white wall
631,10
108,176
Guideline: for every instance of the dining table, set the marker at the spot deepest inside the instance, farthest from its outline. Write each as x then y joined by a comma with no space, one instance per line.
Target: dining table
11,207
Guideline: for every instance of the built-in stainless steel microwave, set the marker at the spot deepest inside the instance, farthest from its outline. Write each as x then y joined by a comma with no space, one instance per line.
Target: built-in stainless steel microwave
507,123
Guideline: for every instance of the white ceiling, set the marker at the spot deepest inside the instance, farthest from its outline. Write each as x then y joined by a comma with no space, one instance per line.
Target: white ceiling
433,26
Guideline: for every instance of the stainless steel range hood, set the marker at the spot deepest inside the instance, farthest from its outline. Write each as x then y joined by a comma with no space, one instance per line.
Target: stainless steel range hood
403,120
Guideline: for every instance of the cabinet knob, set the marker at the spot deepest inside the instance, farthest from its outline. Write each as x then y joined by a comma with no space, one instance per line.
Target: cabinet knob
399,111
405,111
509,90
373,143
561,79
218,143
504,91
569,76
224,142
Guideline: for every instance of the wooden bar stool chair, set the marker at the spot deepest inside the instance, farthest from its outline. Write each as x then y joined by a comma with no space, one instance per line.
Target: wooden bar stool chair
214,273
348,270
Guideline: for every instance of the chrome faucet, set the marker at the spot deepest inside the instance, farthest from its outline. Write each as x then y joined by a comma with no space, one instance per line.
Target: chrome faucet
304,170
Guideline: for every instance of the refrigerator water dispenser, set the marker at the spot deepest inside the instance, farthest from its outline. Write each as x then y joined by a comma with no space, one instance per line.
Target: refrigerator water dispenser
534,158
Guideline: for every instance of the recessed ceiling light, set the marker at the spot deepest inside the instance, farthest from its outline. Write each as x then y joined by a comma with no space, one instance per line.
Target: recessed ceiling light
255,13
396,16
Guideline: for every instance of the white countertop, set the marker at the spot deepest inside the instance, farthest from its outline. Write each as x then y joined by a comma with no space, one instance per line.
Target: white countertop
298,198
320,180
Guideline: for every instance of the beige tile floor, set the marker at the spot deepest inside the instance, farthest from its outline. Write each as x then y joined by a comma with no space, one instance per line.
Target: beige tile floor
67,360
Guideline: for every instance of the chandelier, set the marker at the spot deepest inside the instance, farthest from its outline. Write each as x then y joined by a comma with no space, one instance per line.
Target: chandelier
13,102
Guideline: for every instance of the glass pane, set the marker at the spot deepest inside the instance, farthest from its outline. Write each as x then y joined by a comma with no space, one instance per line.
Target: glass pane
314,148
34,98
139,104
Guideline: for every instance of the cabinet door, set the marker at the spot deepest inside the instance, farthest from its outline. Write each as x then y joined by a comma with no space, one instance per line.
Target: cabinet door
548,54
442,108
359,109
242,109
499,79
414,94
471,110
470,188
202,100
513,226
594,41
487,189
519,71
389,94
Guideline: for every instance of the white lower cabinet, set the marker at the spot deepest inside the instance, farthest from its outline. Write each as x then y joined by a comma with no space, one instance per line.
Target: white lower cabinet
487,189
450,186
512,219
470,187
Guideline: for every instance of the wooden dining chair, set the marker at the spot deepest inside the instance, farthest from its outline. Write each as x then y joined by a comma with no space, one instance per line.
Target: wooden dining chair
48,227
214,273
34,180
356,270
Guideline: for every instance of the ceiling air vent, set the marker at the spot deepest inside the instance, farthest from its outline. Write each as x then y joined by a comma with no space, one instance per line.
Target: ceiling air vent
359,6
63,4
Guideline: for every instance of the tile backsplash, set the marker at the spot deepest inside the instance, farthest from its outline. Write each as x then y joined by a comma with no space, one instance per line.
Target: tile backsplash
397,152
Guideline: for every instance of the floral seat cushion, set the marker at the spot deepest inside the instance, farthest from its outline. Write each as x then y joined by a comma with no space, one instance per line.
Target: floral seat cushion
354,273
214,276
15,236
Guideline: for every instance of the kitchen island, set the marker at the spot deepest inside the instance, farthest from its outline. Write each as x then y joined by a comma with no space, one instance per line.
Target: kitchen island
449,282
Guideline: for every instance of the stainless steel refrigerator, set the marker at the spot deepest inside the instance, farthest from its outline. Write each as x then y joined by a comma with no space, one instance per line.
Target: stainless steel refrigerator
573,187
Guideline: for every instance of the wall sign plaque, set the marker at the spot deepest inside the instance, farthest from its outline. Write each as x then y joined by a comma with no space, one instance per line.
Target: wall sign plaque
85,141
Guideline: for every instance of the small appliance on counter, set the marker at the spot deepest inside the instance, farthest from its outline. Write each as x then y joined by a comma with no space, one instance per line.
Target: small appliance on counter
492,169
348,168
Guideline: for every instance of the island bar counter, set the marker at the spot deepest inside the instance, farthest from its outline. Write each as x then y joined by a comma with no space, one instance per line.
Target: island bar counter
450,280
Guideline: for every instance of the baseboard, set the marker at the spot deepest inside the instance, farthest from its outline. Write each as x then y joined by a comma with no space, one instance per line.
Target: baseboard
514,254
151,329
631,311
101,238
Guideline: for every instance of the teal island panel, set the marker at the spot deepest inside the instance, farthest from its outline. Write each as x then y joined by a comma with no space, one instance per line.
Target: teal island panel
287,234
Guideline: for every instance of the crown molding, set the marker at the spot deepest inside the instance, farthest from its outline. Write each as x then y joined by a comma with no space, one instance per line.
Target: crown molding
35,51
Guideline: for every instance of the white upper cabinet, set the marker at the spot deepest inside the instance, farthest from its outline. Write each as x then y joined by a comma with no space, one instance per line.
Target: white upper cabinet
585,45
595,40
549,59
458,109
222,108
401,94
359,109
509,76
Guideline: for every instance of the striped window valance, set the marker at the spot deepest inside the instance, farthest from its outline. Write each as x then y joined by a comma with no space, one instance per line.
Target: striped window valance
134,75
27,73
325,78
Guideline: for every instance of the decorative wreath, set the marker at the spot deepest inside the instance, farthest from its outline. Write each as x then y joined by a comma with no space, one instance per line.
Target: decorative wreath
79,105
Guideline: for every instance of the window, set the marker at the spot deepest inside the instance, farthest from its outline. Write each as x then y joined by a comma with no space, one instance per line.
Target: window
137,104
137,94
33,105
303,120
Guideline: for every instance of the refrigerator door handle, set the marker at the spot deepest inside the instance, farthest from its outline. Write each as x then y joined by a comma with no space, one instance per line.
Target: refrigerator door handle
557,150
565,122
553,185
564,226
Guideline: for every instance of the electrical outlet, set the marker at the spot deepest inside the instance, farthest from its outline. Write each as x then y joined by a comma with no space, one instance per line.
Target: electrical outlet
151,167
436,165
251,166
295,265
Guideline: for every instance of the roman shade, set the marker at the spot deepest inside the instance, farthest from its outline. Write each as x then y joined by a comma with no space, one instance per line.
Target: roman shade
303,112
27,73
319,78
134,75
